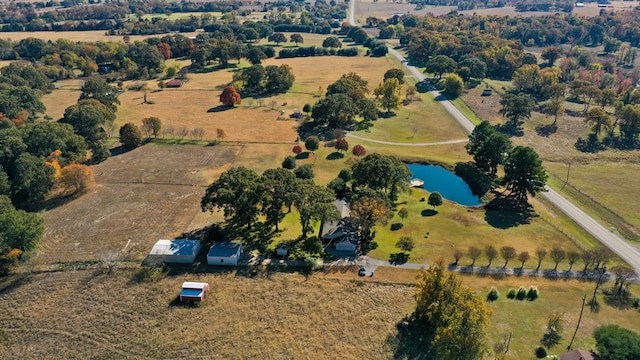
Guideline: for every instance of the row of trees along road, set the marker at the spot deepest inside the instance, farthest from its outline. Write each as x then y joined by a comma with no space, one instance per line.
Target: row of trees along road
243,195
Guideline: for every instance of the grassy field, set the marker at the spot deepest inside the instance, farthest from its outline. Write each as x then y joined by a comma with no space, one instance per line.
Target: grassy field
598,179
93,35
157,189
270,315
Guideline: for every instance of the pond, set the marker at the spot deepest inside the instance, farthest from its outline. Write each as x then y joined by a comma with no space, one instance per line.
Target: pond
448,184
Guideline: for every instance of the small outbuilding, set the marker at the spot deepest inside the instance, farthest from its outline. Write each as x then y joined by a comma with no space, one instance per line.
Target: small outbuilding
224,253
176,251
578,355
486,92
282,249
175,83
193,291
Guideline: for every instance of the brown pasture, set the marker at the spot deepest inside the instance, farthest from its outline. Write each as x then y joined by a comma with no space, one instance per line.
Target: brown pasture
268,315
196,103
141,196
83,36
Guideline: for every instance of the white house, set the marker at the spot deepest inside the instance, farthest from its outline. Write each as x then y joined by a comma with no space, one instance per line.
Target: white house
224,253
176,251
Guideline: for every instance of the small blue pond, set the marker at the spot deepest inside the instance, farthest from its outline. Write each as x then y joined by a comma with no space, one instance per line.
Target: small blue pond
448,184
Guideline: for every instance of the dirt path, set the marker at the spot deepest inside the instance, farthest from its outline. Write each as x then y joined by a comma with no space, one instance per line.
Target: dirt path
407,144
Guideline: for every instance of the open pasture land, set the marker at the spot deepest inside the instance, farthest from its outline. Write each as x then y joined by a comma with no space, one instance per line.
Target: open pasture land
385,10
590,9
85,314
83,36
606,177
196,104
141,196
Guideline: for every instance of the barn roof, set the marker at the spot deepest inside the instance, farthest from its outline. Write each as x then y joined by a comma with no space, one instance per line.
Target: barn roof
176,247
578,355
175,83
225,249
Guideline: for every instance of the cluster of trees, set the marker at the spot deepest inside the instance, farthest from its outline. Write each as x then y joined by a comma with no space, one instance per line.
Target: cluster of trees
92,115
360,36
37,155
617,343
523,171
594,258
344,101
59,59
258,79
243,195
451,320
316,51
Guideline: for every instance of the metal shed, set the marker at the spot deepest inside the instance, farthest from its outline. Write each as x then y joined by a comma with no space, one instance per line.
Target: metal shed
176,251
224,253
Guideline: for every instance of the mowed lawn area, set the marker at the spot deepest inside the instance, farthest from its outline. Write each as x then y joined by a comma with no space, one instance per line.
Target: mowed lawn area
601,183
147,194
270,315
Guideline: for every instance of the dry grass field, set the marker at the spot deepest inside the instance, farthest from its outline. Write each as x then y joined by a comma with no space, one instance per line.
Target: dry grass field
604,176
272,315
144,195
196,104
94,35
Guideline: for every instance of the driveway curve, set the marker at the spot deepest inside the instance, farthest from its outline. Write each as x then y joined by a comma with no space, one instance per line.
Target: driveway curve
406,144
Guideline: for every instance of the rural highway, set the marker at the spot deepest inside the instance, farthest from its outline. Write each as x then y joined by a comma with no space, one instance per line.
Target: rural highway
615,243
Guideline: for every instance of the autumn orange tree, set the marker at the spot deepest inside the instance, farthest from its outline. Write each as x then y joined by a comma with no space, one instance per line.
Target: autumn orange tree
230,96
451,319
366,212
77,178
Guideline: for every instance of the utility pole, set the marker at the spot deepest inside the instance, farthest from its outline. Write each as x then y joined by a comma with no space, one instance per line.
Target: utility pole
584,298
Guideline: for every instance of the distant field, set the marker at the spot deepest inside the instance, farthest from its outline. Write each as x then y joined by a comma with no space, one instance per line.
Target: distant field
196,104
85,314
97,35
604,176
384,10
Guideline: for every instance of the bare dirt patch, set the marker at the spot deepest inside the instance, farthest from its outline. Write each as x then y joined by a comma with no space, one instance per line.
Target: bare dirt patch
141,196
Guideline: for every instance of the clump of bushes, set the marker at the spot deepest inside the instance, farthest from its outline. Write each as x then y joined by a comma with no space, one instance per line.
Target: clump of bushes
511,294
493,294
541,352
522,293
533,293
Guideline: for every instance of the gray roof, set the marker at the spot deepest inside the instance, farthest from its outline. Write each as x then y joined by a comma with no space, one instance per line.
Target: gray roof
578,355
330,227
176,247
224,249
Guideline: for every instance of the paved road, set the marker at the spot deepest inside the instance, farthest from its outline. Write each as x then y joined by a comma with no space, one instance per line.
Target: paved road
615,243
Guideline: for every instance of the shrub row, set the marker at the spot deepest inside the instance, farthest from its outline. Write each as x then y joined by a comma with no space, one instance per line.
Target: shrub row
315,51
522,293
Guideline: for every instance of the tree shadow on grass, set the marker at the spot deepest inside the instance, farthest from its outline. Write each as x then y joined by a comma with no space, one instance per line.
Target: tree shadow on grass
398,258
220,108
546,130
411,341
303,155
429,212
335,156
258,238
503,213
396,226
510,130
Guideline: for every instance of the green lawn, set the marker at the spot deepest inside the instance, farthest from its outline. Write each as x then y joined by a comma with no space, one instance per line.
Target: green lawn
453,227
